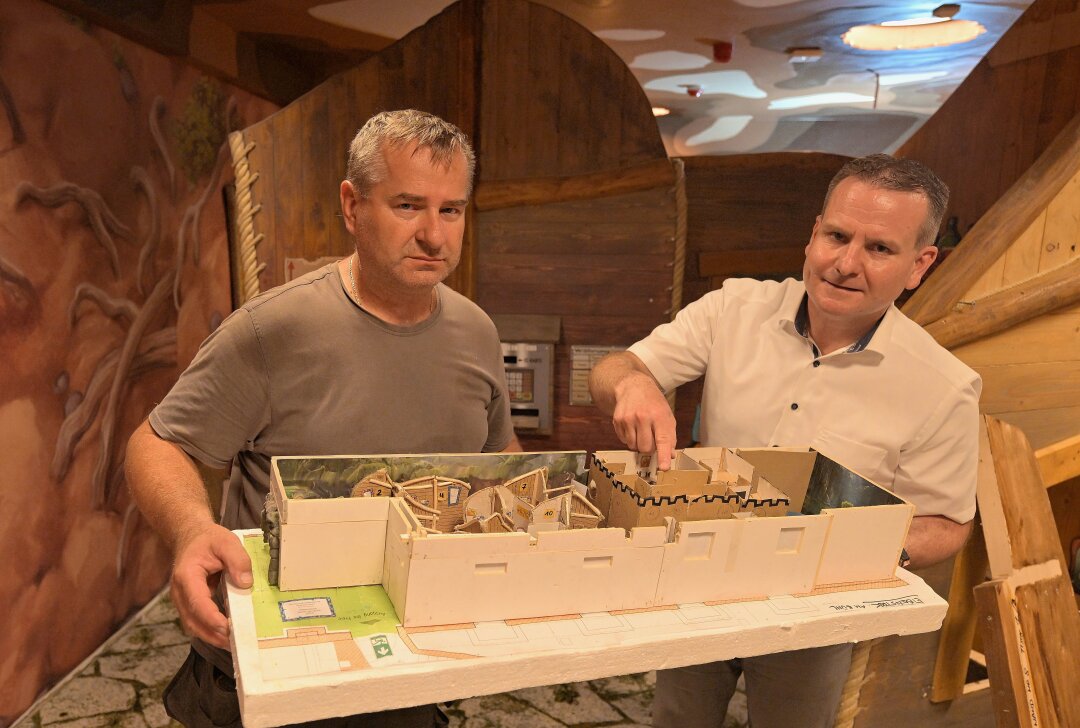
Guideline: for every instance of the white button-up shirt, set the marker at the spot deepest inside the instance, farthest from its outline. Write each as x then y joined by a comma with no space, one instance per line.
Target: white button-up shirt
897,409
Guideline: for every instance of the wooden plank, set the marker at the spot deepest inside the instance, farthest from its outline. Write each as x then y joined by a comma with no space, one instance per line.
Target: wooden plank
316,197
496,195
1051,628
958,629
1002,654
996,230
1039,386
992,521
1061,239
288,195
342,125
1044,427
762,261
1023,497
1021,260
1047,292
989,281
1061,461
899,673
1050,337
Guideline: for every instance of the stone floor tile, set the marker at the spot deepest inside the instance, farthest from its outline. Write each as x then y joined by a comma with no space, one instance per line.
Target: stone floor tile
144,636
736,711
148,667
153,710
636,707
572,703
133,719
95,721
87,696
498,711
611,687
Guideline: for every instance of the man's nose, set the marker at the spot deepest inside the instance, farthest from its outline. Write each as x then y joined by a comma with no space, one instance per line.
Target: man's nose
431,231
850,260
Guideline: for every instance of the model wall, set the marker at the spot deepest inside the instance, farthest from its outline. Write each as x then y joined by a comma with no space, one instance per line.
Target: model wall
113,268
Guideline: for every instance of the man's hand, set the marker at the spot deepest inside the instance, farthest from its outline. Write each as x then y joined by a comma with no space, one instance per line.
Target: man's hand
623,387
200,561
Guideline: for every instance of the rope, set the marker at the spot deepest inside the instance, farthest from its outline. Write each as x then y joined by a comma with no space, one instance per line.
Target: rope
247,261
849,699
678,263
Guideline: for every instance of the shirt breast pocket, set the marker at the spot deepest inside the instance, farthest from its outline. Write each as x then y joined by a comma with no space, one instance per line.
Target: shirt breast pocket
869,461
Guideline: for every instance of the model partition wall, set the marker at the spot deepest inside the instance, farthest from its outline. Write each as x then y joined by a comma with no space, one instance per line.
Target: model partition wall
713,528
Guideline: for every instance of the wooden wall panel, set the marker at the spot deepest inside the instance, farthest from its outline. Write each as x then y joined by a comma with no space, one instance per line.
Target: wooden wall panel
602,265
556,102
300,151
750,202
1024,93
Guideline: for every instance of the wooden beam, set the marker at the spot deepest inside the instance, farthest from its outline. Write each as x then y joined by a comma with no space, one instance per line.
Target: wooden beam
762,262
998,228
1043,293
497,194
958,629
1059,462
1002,652
1038,625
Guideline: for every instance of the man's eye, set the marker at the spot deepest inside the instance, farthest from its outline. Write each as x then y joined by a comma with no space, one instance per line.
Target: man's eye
451,211
406,206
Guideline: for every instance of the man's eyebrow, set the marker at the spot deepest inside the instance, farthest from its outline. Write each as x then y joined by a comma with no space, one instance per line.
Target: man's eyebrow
409,197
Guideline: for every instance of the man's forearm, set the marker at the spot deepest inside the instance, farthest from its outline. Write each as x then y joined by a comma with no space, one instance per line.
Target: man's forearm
932,539
166,486
612,372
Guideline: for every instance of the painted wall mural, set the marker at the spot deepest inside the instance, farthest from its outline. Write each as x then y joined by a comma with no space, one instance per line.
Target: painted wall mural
113,268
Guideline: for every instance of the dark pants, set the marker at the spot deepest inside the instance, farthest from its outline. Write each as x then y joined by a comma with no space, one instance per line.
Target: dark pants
203,695
799,688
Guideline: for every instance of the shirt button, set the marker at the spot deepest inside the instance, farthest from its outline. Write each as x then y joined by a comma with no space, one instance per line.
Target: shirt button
817,363
794,405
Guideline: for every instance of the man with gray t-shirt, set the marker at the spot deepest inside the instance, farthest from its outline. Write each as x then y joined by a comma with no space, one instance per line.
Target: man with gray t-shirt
372,354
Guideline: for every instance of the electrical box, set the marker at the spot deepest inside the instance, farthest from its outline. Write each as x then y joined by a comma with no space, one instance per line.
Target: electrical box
528,349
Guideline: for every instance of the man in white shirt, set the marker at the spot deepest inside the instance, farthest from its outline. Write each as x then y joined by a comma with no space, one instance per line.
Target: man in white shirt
831,363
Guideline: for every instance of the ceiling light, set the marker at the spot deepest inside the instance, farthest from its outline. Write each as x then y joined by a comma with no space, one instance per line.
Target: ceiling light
660,111
839,97
911,34
803,54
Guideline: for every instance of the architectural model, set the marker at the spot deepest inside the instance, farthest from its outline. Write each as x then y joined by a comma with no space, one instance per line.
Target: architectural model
473,538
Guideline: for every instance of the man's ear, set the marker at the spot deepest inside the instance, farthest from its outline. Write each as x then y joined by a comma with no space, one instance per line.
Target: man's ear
924,258
349,198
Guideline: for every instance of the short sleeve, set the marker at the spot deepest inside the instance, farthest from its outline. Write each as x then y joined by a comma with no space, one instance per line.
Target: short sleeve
500,426
221,402
678,352
938,471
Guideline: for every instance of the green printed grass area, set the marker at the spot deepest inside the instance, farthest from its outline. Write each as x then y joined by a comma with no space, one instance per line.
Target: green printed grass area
362,610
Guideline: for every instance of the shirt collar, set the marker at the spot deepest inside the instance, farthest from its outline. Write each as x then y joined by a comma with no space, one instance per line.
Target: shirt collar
802,328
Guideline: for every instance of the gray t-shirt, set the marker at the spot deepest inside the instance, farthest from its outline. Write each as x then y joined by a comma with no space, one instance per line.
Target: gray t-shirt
301,370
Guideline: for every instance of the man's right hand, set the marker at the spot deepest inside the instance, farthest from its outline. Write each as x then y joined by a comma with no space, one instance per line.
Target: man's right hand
643,418
200,561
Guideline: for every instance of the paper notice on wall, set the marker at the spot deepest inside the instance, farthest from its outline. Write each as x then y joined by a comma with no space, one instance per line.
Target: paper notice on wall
582,360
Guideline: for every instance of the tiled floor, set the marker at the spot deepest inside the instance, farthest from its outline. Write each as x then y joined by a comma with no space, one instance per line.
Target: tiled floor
122,687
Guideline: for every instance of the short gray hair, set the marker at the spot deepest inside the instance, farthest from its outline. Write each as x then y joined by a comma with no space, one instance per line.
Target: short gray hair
902,175
366,166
